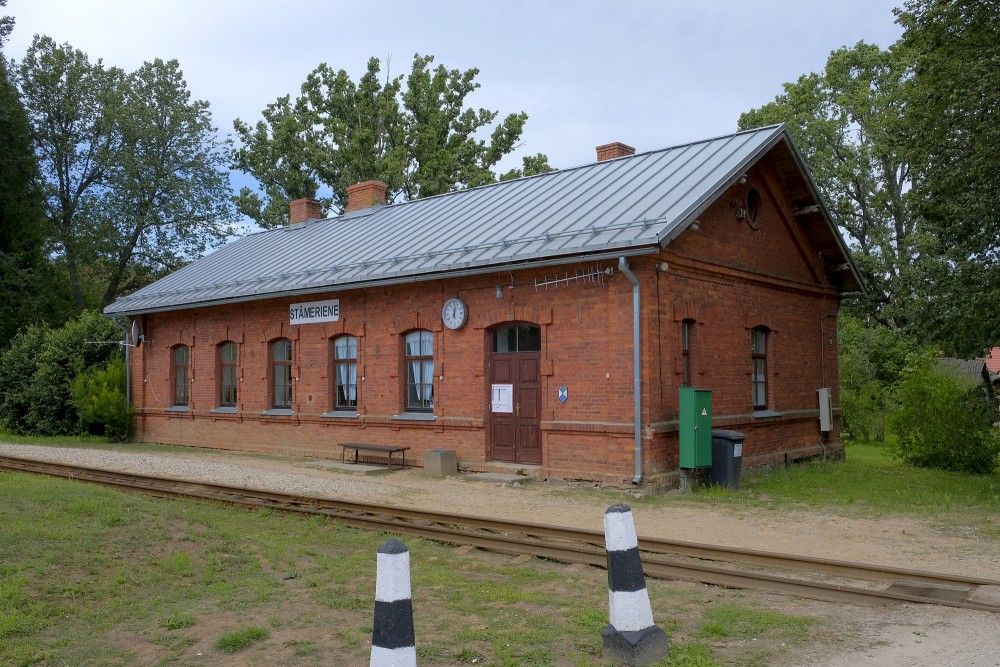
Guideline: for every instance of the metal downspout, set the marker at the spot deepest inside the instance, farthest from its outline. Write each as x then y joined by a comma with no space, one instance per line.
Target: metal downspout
636,368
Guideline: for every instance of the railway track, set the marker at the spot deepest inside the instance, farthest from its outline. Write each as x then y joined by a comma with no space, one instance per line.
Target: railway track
817,578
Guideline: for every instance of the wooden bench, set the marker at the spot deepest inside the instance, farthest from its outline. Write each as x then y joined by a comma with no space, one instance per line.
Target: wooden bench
384,449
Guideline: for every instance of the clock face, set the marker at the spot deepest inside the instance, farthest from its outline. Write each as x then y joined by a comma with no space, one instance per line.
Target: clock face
454,314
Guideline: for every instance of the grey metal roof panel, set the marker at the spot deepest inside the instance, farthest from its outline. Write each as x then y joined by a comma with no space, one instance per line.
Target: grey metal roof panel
640,200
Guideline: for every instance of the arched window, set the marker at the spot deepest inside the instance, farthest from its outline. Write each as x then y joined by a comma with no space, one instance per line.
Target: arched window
687,351
228,374
418,357
281,371
758,373
180,363
345,373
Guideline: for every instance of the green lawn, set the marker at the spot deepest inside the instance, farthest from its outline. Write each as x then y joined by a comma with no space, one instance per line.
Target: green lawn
93,576
872,483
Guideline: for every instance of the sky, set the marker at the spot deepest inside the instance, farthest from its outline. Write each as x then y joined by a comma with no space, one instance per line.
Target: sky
649,74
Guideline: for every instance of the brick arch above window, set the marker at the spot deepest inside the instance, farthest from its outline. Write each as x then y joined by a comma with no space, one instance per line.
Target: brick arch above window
514,313
405,322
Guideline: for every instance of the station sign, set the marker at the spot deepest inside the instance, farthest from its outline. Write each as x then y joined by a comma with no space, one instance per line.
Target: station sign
314,312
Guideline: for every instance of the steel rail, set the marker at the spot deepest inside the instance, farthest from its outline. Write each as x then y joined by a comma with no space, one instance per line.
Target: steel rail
570,545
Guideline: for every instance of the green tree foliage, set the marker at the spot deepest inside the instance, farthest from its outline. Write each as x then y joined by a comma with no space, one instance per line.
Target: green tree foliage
531,165
98,394
954,140
944,420
846,121
134,179
872,359
18,365
418,138
39,366
29,291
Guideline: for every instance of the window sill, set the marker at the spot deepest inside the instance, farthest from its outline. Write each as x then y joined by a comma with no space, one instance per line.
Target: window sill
415,416
225,410
762,414
341,414
285,412
177,408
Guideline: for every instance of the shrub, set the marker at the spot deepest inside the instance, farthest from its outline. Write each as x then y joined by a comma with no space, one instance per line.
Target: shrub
18,365
38,367
944,420
872,358
98,394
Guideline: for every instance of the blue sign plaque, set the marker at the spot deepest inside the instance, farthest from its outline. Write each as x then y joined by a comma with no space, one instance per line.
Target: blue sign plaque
563,394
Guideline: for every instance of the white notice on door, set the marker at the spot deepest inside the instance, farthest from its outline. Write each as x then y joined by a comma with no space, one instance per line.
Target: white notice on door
502,398
738,450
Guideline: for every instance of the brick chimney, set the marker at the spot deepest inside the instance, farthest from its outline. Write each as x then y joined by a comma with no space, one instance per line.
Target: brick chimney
301,210
365,195
611,151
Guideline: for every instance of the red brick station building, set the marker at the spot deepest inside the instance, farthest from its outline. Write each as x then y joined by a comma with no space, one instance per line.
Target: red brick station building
543,324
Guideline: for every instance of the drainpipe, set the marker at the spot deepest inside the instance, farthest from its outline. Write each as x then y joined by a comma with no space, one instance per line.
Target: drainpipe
636,368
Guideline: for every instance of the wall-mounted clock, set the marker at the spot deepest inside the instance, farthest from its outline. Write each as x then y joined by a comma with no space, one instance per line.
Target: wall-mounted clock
455,313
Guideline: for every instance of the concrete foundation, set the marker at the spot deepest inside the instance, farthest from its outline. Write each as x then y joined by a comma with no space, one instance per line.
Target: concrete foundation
441,463
643,647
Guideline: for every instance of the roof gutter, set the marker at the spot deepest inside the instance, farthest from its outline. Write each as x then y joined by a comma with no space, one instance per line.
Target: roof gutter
636,368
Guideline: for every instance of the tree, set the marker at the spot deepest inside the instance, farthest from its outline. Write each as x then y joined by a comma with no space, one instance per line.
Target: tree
274,153
29,292
954,144
134,178
872,359
70,105
846,121
420,139
531,165
166,197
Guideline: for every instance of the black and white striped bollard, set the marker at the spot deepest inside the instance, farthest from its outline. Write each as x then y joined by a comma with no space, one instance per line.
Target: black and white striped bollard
392,634
631,636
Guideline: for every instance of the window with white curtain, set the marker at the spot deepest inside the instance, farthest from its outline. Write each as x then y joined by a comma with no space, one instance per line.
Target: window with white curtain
758,373
281,372
345,373
418,356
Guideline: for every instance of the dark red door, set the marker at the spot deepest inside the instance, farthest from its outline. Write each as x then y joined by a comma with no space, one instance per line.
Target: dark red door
515,406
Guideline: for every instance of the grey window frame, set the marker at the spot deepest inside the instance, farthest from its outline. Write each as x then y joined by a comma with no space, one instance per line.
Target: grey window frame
180,376
417,381
348,364
285,368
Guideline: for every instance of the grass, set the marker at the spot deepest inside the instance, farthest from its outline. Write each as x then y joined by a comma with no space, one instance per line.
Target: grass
94,576
871,483
237,640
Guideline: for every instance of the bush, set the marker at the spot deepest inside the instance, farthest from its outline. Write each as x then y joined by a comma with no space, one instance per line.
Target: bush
38,367
872,358
18,365
98,394
944,421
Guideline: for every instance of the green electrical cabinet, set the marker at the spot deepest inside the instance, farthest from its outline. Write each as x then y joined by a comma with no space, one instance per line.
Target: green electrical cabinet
695,427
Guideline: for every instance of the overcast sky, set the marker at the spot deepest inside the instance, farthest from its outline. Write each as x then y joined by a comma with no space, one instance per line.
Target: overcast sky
649,74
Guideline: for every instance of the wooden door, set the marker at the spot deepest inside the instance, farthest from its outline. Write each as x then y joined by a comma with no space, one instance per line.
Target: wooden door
515,435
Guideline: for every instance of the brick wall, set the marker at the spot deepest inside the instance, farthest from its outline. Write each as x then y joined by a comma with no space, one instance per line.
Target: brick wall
725,276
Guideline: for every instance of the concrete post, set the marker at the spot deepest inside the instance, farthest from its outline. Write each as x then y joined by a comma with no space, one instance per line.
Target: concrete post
631,637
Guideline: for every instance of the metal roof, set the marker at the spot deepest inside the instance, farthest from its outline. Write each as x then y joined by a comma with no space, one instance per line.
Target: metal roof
624,206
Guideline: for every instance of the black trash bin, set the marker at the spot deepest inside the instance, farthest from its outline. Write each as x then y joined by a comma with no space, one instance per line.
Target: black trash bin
727,458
